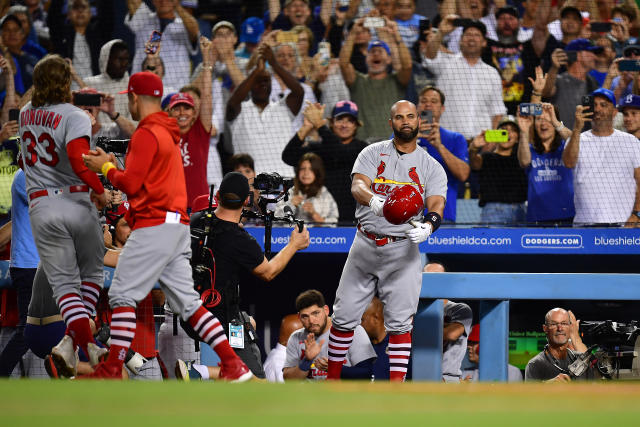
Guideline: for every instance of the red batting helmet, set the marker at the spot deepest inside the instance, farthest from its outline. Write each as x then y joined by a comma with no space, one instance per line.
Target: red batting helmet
402,204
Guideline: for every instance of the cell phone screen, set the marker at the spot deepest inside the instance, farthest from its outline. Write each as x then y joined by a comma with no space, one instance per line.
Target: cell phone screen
155,37
87,99
601,27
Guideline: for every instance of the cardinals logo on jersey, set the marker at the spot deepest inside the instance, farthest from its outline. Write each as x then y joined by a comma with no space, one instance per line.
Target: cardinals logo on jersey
415,178
381,167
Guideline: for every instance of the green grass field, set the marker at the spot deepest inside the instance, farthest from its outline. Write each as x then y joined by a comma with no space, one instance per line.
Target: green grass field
98,403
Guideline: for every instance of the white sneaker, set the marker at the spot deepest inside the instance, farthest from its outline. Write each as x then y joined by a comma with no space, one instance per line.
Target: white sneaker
96,354
65,356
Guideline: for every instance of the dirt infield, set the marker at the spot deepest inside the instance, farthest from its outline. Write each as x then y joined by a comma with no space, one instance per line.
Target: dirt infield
70,403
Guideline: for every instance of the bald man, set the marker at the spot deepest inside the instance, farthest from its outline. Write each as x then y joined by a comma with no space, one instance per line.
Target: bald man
564,346
275,360
373,324
384,257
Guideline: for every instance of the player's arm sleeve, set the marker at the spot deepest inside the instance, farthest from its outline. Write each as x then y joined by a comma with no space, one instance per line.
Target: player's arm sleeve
75,149
292,359
364,163
461,314
142,148
436,181
361,371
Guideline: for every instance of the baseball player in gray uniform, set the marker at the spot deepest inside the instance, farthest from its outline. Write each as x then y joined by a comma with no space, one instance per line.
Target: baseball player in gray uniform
384,257
54,135
308,347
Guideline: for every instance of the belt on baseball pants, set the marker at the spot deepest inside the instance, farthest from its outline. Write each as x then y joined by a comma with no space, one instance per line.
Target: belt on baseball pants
70,189
380,240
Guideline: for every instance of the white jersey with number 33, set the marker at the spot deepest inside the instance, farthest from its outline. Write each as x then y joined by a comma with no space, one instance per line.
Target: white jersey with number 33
44,134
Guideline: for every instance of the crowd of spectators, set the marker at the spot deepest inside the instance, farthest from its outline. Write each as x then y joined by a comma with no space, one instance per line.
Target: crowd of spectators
300,87
278,79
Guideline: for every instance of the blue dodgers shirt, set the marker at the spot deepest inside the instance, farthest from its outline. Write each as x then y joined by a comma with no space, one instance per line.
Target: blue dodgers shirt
455,143
23,249
550,190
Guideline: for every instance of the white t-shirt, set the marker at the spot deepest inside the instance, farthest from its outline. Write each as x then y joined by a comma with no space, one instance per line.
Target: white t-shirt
603,179
263,135
274,364
278,93
473,93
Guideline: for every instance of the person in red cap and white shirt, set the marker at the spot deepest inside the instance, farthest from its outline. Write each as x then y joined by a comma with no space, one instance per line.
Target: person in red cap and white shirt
159,247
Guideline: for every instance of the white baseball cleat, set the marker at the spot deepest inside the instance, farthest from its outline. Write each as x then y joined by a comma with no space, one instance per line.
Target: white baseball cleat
65,357
96,354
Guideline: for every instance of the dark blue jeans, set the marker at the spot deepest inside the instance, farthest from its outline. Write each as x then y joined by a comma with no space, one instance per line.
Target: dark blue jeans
22,281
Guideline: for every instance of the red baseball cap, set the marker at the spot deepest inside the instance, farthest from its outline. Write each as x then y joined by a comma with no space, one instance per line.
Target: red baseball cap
181,98
144,83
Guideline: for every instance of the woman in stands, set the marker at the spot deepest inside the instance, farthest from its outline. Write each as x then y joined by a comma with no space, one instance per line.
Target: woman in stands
550,189
309,198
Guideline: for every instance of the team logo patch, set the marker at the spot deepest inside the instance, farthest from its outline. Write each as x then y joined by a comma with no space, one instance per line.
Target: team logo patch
415,178
381,167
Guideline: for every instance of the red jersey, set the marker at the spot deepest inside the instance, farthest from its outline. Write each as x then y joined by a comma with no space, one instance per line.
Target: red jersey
154,178
194,147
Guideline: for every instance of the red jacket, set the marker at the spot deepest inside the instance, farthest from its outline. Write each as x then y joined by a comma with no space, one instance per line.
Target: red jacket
154,177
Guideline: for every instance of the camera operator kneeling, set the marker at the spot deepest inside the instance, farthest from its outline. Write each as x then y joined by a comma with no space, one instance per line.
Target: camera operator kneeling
563,358
235,250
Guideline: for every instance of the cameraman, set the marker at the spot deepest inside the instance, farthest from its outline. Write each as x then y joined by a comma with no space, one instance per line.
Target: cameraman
235,250
563,348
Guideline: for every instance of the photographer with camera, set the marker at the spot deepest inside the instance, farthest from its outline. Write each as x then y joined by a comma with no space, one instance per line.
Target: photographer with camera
554,363
235,250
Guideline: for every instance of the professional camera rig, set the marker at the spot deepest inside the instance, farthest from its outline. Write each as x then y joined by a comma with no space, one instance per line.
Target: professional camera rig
273,188
115,146
616,345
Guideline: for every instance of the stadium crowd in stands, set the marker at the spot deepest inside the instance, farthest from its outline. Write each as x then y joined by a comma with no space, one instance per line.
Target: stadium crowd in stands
300,87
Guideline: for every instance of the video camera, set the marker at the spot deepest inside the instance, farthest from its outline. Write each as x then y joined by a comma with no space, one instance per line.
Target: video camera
618,347
273,188
271,183
115,146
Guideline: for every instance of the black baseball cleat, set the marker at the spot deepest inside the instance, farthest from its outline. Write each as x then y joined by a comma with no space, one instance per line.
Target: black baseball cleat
50,367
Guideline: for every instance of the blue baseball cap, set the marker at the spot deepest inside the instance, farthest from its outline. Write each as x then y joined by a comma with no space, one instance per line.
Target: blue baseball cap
605,93
632,101
251,30
346,108
166,100
578,45
379,43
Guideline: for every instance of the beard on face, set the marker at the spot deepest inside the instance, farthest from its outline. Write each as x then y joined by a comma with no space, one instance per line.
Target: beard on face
406,135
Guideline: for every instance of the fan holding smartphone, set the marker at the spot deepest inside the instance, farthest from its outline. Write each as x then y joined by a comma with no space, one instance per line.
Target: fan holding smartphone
503,184
447,147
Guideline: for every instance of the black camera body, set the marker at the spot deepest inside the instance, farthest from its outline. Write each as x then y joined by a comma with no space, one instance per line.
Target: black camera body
115,146
271,183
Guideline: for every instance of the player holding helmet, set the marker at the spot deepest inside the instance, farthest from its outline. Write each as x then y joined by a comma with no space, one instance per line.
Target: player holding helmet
388,179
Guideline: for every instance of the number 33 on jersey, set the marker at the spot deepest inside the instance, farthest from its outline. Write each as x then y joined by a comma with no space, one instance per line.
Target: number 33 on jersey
45,132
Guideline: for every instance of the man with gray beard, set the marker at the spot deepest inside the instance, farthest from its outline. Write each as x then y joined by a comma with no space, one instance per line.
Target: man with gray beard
514,60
